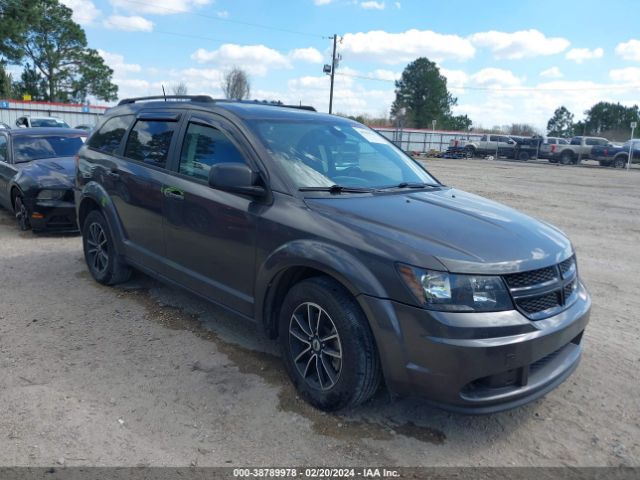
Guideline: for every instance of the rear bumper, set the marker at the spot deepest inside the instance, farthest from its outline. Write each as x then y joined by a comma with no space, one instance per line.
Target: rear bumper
476,363
52,215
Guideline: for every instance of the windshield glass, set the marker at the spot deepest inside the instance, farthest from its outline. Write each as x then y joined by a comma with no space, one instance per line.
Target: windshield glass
48,122
27,148
325,153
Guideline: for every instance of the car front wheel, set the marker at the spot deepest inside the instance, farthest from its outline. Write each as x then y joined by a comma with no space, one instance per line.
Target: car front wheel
327,345
22,214
99,252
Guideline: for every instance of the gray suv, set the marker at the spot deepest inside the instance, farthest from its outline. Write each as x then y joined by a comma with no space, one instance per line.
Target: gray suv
364,266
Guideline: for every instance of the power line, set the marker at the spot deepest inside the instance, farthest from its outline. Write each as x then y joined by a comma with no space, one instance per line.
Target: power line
228,20
515,89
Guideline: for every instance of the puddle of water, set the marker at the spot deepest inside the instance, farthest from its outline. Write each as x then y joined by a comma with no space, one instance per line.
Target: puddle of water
347,426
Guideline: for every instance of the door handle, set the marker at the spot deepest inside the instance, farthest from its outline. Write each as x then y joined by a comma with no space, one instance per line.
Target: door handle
174,193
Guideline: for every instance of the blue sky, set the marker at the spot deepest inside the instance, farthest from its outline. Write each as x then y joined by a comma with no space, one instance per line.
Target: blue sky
505,61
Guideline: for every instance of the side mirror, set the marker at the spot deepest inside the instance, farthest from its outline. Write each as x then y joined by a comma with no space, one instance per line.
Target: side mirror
236,178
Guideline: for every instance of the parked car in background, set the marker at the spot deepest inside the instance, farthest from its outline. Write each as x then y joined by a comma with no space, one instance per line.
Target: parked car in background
616,156
550,145
338,244
36,176
4,126
47,122
500,145
579,149
84,126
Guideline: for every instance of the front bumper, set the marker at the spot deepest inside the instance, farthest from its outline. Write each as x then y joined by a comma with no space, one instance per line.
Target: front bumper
476,362
52,215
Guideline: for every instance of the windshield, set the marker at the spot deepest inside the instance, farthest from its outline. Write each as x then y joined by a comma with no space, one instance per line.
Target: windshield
325,153
27,148
48,122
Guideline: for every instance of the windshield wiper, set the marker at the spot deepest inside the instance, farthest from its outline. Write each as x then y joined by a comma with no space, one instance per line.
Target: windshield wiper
336,189
412,185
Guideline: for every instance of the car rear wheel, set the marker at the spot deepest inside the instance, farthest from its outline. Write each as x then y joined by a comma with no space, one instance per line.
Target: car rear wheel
327,345
619,162
566,158
21,213
524,156
102,259
469,152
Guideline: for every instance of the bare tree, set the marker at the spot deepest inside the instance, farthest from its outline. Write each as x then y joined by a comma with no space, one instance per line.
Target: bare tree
235,84
179,88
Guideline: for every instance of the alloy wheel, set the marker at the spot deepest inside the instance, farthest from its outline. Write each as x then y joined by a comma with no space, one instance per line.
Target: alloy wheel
315,346
98,248
22,215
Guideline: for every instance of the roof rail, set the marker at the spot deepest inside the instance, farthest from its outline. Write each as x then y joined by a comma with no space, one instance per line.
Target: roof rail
191,98
271,103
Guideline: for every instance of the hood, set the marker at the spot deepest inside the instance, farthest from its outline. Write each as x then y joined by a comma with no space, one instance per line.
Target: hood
463,232
50,172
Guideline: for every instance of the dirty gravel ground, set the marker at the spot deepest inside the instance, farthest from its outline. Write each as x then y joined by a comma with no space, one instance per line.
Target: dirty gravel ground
149,375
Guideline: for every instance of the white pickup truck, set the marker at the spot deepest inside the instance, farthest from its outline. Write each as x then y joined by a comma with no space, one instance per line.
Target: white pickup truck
579,149
490,144
30,122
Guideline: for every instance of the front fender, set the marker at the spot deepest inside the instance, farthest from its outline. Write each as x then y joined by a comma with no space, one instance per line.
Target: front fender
94,192
324,257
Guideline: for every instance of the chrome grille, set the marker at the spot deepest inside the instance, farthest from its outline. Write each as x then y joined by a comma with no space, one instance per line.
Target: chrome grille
546,291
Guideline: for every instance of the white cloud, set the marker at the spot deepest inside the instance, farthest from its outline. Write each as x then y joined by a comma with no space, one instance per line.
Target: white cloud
386,75
455,78
222,14
322,2
166,7
553,72
579,55
85,12
496,77
393,48
521,44
255,59
372,5
398,5
128,24
626,75
117,63
310,55
629,50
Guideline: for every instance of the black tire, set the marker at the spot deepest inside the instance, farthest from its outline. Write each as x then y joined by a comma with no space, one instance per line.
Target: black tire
620,162
566,158
21,213
356,375
553,160
524,156
103,262
469,152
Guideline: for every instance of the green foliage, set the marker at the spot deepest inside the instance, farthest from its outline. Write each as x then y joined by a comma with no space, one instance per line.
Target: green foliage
31,83
459,122
522,129
41,33
561,124
6,86
611,120
422,93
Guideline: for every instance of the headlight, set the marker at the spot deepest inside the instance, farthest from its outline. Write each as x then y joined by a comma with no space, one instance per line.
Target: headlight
51,194
456,293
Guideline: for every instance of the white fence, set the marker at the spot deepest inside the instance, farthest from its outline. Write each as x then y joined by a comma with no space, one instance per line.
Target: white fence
73,114
423,141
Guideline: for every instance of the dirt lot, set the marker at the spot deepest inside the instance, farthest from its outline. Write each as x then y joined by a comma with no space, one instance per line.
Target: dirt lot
149,375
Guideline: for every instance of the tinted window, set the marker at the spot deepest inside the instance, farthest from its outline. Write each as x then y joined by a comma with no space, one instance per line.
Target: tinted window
493,138
36,147
592,141
110,135
149,142
562,141
576,141
203,147
48,122
484,138
3,148
551,141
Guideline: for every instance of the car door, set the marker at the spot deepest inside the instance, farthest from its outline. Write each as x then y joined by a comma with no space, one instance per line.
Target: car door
135,185
210,234
7,171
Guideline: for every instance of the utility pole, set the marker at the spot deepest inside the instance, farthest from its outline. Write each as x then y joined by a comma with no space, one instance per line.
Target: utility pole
333,72
633,127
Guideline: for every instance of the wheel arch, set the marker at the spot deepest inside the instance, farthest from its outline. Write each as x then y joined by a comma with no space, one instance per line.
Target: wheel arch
289,265
95,197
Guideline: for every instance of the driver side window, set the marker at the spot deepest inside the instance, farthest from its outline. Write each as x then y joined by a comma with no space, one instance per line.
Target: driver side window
3,149
203,147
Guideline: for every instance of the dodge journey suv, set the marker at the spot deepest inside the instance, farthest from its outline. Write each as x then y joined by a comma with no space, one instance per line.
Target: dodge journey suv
364,267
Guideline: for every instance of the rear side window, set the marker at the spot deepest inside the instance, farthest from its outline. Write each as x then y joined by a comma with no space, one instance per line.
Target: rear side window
110,135
562,141
494,138
204,147
149,142
576,141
